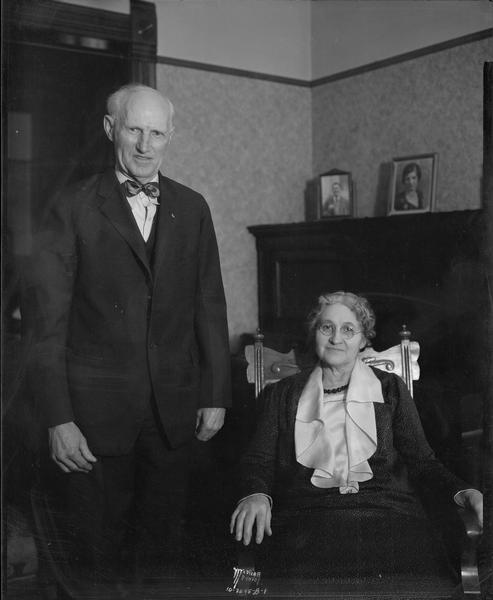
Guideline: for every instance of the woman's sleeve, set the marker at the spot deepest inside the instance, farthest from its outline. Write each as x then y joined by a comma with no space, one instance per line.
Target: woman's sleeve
410,441
258,464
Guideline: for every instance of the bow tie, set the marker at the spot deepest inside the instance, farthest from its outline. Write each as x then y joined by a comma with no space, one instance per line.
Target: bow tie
151,190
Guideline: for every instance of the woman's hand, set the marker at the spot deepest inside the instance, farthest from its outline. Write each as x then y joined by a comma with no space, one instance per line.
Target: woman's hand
252,510
473,499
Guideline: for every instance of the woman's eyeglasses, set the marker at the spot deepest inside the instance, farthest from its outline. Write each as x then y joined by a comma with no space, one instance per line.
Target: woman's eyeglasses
329,329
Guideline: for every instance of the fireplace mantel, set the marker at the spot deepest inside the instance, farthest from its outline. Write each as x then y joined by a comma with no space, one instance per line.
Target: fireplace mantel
432,260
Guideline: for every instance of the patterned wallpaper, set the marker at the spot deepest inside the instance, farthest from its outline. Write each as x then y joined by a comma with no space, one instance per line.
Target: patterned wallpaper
245,144
431,104
249,146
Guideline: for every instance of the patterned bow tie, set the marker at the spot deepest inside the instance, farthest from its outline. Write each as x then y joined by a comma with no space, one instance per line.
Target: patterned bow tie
151,190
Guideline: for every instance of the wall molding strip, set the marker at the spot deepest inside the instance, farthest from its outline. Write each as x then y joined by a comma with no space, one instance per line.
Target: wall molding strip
387,62
190,64
466,39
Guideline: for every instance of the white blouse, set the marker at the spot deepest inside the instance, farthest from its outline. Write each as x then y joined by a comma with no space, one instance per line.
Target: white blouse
335,434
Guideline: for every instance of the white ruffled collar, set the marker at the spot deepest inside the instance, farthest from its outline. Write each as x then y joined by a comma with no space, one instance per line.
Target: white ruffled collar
338,454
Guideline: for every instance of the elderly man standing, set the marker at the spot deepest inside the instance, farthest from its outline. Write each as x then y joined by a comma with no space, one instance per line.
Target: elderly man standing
130,358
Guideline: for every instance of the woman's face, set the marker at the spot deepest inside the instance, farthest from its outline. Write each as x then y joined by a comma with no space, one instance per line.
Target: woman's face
411,181
338,349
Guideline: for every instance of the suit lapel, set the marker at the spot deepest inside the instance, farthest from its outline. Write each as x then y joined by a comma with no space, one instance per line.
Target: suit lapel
165,232
115,207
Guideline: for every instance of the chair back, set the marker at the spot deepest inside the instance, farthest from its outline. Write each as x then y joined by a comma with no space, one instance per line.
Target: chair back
266,365
401,359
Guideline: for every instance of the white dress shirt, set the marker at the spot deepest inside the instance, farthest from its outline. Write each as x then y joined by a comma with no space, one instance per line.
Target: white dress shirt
143,208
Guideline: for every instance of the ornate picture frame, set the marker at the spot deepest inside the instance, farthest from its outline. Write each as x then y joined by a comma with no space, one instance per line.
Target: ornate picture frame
413,184
335,197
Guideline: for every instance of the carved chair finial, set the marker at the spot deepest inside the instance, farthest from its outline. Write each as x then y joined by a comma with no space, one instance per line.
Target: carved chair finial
405,333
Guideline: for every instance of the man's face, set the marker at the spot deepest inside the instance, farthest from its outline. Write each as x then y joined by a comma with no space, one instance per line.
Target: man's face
336,189
140,135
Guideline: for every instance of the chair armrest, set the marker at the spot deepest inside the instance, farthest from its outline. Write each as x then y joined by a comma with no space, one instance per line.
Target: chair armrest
471,523
469,558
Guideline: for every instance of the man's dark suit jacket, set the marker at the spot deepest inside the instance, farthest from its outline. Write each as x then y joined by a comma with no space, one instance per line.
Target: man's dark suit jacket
111,330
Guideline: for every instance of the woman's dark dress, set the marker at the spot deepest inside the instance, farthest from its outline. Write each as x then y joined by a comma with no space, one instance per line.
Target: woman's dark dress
381,529
401,202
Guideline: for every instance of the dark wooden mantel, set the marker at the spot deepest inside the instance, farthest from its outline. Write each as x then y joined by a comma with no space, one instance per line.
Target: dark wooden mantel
432,259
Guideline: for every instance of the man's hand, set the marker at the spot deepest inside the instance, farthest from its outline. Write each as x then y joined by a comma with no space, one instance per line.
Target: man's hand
209,422
69,449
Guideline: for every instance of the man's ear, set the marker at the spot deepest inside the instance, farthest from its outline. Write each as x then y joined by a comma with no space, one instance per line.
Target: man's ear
108,124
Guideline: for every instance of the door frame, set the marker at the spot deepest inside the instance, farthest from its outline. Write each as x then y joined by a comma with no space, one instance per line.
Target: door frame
84,29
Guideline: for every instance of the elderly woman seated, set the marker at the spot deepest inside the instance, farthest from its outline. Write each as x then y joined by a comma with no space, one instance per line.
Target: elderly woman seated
331,472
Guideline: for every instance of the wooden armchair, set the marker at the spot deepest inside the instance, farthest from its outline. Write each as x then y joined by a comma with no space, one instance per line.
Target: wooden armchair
266,366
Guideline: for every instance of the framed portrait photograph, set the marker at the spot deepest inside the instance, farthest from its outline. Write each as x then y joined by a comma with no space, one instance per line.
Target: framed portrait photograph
336,195
412,184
